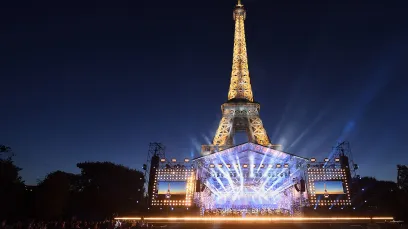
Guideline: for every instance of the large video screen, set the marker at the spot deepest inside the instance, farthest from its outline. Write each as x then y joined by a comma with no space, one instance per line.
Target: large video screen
172,187
331,190
329,187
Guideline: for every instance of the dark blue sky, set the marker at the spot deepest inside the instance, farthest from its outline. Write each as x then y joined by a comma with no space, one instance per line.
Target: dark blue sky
99,80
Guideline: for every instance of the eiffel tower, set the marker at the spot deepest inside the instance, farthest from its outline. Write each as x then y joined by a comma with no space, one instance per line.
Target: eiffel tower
240,113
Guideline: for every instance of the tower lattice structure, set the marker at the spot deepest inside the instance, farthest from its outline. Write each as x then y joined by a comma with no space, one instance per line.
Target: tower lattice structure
240,113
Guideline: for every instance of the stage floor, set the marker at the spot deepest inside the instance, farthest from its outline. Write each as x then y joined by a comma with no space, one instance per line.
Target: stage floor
254,224
260,220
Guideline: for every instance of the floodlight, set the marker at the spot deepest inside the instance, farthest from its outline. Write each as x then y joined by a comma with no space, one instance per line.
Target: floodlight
220,165
326,159
337,159
262,165
313,159
228,165
186,160
212,166
278,165
286,166
245,166
173,160
163,160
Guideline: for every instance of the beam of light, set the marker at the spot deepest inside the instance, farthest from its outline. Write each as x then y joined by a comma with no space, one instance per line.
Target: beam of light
196,144
306,131
379,79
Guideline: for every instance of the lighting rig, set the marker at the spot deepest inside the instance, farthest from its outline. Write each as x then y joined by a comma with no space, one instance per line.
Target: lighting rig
328,182
174,183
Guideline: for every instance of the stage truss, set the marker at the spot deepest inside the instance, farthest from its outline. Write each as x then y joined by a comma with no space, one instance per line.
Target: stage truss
250,179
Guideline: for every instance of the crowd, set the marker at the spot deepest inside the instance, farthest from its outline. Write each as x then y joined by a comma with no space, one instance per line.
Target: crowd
74,225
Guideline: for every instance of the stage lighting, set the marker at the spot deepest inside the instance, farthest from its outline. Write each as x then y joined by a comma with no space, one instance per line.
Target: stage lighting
262,165
278,165
163,160
220,166
212,166
254,166
286,166
270,166
228,166
337,159
326,159
186,160
245,166
173,160
313,159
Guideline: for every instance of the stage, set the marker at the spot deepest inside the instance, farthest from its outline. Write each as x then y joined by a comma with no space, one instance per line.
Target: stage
260,220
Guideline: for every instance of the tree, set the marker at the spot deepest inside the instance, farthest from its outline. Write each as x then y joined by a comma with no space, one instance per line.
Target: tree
107,189
380,197
11,186
54,194
4,149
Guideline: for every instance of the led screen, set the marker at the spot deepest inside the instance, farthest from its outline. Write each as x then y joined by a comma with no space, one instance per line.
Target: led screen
175,187
329,187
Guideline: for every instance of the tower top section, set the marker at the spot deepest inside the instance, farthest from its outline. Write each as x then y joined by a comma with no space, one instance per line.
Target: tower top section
239,10
240,86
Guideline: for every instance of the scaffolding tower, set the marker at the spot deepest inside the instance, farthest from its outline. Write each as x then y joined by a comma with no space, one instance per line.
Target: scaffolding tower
156,150
402,179
344,149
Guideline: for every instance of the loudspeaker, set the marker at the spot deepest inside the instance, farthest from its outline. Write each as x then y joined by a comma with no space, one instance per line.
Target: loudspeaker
302,185
198,186
297,188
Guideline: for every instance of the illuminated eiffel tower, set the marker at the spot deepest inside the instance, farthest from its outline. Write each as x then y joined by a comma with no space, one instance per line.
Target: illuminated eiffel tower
240,113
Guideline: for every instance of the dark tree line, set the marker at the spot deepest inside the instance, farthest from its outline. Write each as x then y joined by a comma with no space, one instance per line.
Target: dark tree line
100,191
380,198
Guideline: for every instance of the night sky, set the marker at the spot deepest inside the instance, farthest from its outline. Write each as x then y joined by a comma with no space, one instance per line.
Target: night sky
99,80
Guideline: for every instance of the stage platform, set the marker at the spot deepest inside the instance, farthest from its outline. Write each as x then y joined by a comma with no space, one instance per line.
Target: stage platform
268,222
259,220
